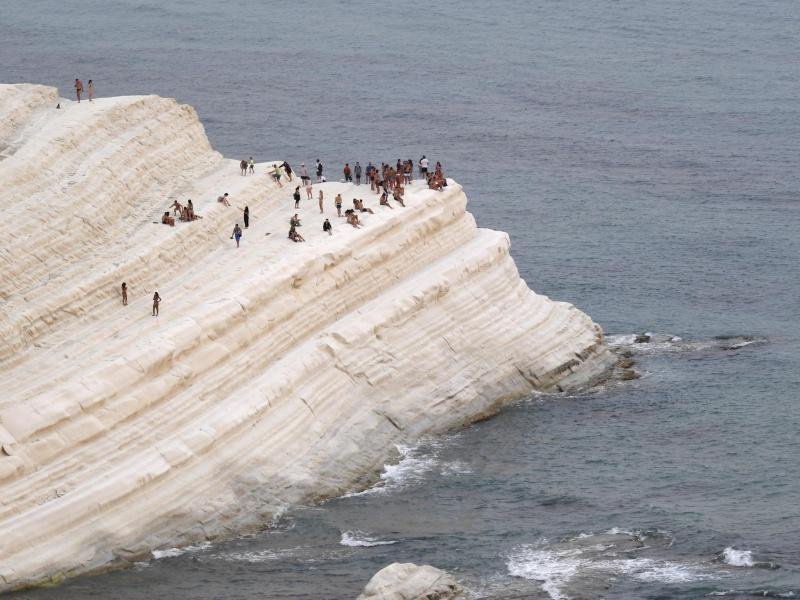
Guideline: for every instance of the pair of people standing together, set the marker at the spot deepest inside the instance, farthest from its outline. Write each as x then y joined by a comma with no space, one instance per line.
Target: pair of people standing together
79,89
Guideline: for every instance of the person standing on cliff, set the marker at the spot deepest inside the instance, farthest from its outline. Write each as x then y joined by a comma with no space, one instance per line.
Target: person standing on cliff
246,216
237,233
319,171
320,202
357,173
326,226
348,178
252,164
423,167
78,89
90,90
124,294
304,177
296,197
338,201
243,167
156,302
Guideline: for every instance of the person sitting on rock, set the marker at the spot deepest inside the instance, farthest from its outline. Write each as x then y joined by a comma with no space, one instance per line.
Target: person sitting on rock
185,214
352,218
359,206
167,220
385,200
398,198
294,221
294,235
326,226
224,199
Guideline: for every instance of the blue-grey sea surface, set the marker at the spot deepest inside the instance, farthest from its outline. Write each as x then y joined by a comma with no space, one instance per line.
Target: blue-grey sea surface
643,155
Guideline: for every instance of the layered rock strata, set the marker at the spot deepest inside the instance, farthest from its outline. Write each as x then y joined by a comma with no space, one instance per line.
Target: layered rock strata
277,373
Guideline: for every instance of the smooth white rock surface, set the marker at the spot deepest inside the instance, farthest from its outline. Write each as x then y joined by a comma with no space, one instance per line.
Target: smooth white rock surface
407,581
277,373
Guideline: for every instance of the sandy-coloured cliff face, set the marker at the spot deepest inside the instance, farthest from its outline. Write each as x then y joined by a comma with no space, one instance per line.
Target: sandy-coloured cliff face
276,373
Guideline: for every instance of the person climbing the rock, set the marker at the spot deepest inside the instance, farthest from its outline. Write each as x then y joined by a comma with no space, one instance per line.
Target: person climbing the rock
276,174
320,201
78,89
237,233
338,202
326,226
319,171
348,177
295,221
357,173
176,208
224,199
288,170
296,197
243,167
246,216
90,90
252,165
124,294
156,303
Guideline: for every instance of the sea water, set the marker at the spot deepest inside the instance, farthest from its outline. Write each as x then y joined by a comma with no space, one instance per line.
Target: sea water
643,157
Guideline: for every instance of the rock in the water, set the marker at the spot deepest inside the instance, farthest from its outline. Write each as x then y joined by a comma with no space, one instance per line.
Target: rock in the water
626,363
407,581
642,338
627,375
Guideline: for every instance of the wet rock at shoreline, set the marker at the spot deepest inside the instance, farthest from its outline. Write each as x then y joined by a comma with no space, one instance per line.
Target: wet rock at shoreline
407,581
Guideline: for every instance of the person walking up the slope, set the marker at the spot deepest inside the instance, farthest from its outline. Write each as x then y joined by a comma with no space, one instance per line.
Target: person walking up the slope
357,173
319,171
246,215
237,233
243,167
156,302
288,170
296,197
252,164
276,174
348,178
124,294
78,89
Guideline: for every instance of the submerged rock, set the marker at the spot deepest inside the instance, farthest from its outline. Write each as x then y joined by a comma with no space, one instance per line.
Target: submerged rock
407,581
641,338
628,375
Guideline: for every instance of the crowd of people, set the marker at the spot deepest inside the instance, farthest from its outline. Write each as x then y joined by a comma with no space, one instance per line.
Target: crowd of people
387,181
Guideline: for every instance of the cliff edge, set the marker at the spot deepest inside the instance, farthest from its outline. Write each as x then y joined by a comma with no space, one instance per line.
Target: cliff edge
277,373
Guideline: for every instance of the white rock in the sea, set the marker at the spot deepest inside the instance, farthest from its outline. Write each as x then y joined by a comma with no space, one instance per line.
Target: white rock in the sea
407,581
276,374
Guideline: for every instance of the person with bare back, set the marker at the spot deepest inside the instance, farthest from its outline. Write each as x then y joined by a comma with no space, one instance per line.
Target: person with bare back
124,294
320,202
156,302
78,89
90,89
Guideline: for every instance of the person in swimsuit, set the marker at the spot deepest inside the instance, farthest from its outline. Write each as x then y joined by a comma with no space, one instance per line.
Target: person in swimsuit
156,302
309,191
243,167
224,199
347,173
296,197
276,174
237,233
90,89
357,173
319,171
320,201
176,208
124,294
252,165
246,215
338,202
167,220
385,200
304,176
78,89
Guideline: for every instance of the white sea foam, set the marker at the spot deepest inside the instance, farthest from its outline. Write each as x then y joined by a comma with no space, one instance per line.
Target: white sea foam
555,569
361,539
552,569
738,558
173,552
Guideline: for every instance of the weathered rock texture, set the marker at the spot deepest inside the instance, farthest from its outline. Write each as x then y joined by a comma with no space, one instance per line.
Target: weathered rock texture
277,373
407,581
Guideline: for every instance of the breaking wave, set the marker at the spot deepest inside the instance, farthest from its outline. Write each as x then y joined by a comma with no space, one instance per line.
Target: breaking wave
361,539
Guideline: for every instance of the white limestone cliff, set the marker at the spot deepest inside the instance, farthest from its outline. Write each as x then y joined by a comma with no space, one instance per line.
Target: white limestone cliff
277,373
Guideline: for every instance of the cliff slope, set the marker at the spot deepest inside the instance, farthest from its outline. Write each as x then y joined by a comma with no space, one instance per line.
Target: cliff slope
277,373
